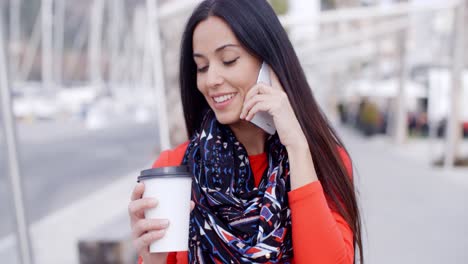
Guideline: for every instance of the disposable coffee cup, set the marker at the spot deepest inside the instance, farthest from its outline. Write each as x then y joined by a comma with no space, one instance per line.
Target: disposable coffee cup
171,186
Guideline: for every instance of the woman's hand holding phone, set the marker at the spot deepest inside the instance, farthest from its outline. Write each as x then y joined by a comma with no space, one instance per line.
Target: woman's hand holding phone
272,99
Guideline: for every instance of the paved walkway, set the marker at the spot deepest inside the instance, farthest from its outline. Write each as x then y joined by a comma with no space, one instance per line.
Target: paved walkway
55,237
413,213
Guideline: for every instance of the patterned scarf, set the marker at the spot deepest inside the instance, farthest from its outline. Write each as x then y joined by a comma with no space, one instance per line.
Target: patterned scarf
234,221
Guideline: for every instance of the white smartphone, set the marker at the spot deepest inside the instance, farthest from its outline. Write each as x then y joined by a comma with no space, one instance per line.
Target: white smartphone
263,119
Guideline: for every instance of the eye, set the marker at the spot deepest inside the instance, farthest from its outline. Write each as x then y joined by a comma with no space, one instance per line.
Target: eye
203,69
230,62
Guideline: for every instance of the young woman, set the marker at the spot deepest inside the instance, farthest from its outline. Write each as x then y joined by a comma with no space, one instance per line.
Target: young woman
258,198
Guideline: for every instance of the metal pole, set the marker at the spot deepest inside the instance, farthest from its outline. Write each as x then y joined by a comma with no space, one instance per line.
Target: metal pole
77,47
453,124
401,125
22,232
15,27
95,44
115,32
158,73
145,64
31,50
47,13
127,63
140,51
15,20
136,50
59,41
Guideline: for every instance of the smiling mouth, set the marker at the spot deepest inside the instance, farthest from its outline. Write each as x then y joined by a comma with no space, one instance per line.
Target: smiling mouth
223,98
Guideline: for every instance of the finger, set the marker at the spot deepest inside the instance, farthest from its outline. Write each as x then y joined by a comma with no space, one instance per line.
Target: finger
192,205
138,191
261,106
142,243
250,103
256,89
253,91
148,225
136,208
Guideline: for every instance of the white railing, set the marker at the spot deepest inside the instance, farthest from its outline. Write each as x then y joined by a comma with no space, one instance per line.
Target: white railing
368,13
374,24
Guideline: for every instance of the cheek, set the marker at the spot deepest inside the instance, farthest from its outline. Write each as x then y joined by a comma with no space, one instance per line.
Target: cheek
248,78
246,83
247,87
200,86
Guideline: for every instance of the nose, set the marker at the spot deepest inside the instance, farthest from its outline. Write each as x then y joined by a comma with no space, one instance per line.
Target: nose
213,78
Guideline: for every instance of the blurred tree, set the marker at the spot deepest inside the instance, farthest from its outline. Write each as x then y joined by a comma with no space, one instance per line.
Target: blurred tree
370,118
280,6
327,4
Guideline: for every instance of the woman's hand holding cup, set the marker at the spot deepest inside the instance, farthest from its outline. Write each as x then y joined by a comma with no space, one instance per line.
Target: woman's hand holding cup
146,231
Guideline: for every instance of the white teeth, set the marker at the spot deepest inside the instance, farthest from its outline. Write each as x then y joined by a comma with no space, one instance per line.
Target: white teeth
223,98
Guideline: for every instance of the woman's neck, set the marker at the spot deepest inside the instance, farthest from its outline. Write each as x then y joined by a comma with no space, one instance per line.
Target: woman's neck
252,137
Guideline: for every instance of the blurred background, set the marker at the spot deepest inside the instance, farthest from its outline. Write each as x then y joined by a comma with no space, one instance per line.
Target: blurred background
90,97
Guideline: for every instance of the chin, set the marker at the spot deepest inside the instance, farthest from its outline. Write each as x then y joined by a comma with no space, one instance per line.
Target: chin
227,118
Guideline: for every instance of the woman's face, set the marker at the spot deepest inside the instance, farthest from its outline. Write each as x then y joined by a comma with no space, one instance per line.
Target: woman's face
225,70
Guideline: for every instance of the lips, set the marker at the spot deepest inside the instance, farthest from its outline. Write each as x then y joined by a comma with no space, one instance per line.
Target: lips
223,98
221,101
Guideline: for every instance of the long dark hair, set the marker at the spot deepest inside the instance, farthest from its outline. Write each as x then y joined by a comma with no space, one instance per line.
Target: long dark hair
257,27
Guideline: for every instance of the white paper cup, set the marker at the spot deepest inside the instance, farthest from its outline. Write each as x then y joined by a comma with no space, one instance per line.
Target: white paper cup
171,186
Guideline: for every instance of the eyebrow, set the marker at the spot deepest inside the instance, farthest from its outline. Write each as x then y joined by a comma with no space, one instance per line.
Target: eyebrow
217,50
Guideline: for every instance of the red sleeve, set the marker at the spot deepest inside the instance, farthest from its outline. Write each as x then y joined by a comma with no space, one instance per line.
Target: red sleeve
163,160
171,157
316,228
172,258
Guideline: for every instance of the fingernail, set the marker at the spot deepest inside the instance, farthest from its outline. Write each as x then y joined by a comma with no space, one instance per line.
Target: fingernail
153,202
165,222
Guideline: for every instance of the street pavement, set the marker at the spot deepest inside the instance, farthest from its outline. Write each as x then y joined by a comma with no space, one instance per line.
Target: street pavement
413,212
62,162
